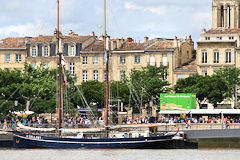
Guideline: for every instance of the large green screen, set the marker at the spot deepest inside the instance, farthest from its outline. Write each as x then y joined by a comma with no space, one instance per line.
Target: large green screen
178,101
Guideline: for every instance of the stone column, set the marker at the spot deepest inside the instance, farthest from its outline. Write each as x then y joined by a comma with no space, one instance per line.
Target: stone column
232,17
237,17
225,17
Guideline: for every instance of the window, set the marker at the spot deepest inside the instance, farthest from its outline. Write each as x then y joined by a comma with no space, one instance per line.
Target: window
179,76
219,38
7,58
231,38
137,59
228,56
85,76
104,76
34,52
95,75
216,57
207,38
72,68
85,60
45,65
122,59
45,50
18,58
165,75
122,75
204,73
204,56
72,51
34,65
95,60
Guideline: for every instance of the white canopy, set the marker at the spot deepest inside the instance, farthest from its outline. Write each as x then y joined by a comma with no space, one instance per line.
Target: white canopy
21,126
173,112
202,111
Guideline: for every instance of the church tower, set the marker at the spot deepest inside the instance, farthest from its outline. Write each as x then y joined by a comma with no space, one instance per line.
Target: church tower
226,13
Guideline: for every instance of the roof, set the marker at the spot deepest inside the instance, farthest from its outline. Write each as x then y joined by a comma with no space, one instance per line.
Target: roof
162,45
147,46
73,38
76,38
224,31
96,46
132,46
13,42
191,65
20,42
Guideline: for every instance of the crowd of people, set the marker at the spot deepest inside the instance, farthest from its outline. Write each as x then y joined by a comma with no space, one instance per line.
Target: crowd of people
84,121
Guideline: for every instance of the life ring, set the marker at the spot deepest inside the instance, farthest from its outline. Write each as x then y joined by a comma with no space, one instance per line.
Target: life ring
17,141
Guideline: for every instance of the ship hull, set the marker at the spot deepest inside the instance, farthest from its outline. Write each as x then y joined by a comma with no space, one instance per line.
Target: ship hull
24,140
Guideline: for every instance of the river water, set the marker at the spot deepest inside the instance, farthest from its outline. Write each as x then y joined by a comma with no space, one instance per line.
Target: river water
85,154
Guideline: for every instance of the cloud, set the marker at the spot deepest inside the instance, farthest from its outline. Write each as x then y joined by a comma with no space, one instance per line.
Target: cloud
160,10
28,29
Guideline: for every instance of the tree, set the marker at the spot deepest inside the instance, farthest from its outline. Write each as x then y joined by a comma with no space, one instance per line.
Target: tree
147,83
120,90
92,92
232,77
207,88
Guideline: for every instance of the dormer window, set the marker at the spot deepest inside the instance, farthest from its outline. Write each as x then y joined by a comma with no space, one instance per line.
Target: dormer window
45,50
72,51
231,38
34,52
207,38
219,38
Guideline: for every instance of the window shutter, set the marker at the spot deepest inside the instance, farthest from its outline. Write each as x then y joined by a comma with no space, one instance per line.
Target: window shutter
40,50
78,48
65,49
28,49
52,49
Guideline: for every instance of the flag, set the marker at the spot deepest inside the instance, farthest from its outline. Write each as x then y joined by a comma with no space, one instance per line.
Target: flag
105,57
63,62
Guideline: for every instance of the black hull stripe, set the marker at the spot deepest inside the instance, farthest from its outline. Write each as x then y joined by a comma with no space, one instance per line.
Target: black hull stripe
71,142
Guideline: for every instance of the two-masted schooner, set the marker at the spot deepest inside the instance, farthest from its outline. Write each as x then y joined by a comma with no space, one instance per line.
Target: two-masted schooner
101,138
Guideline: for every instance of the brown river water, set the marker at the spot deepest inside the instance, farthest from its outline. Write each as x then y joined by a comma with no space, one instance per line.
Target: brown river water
85,154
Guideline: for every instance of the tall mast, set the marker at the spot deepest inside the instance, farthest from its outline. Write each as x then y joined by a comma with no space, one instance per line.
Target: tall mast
60,74
107,78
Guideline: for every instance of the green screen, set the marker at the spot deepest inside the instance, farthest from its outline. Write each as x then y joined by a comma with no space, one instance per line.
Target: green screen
178,101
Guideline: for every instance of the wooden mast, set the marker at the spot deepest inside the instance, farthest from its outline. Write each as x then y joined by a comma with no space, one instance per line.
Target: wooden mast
107,78
60,74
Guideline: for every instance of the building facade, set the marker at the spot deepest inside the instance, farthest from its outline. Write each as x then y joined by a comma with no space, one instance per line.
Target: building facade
85,57
218,47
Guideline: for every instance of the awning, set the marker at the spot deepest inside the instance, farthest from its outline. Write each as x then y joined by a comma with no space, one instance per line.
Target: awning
173,112
206,111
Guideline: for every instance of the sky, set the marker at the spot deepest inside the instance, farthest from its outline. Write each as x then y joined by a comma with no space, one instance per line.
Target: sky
125,18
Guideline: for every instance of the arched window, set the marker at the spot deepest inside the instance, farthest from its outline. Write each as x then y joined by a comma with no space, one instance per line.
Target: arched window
228,16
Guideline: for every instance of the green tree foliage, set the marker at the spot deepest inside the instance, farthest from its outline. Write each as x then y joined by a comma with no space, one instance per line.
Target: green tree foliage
147,83
232,77
208,88
120,90
92,92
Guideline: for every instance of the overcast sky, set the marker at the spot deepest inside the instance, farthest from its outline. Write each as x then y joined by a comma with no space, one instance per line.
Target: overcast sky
126,18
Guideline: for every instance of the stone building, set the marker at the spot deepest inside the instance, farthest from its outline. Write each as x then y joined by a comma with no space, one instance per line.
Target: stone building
219,46
12,53
84,55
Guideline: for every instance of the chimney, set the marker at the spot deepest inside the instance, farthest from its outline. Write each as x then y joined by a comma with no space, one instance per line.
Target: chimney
175,41
130,40
93,34
119,43
27,39
204,30
146,39
114,45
